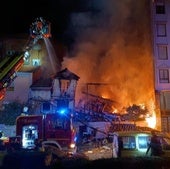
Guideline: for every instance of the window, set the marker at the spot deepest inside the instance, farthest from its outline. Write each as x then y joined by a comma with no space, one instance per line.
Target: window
143,142
46,106
164,76
161,29
160,8
29,134
36,62
64,86
10,52
129,142
162,52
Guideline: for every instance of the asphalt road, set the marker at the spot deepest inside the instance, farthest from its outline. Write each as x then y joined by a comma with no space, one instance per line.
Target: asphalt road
37,160
24,160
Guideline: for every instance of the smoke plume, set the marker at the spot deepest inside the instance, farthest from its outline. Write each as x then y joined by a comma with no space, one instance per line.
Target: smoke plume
113,46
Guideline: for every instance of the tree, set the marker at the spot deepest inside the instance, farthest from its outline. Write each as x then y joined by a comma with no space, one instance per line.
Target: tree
10,112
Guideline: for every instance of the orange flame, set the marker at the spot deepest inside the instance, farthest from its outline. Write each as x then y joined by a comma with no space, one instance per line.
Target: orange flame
151,121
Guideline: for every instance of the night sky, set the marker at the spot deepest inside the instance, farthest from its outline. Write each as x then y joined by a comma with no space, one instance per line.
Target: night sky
109,41
18,15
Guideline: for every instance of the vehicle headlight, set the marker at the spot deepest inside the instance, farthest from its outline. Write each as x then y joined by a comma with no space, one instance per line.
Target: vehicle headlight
72,145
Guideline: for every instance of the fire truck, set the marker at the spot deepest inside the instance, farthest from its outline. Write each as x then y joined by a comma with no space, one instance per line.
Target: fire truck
50,128
10,64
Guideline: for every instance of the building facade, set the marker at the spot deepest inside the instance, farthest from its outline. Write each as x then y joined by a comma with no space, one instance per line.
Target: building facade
37,62
54,94
160,17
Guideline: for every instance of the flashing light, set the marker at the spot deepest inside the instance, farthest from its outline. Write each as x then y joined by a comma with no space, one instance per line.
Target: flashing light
75,139
63,111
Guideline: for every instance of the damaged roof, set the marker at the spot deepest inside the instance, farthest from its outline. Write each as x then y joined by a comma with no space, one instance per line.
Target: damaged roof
47,83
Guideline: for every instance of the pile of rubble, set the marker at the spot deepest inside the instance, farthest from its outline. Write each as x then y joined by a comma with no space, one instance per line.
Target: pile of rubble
94,153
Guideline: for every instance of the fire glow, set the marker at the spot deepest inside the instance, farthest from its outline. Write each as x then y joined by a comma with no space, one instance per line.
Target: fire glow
150,118
118,53
151,121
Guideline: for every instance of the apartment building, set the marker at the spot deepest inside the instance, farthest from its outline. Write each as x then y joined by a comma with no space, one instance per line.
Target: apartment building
160,17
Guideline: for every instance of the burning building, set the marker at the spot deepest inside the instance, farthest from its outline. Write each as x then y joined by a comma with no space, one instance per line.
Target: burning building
120,62
113,41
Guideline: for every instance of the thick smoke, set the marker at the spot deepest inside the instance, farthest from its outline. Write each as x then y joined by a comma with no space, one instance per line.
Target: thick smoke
113,46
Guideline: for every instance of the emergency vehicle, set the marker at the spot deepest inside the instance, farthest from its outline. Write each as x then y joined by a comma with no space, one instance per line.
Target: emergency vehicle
56,128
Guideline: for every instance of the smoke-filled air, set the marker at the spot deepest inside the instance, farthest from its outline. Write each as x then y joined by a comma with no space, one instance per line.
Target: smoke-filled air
113,49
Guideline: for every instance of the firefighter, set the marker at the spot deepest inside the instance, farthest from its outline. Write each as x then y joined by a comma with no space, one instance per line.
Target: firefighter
120,146
17,145
155,145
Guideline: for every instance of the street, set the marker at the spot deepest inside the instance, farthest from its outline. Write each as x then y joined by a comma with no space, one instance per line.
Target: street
24,160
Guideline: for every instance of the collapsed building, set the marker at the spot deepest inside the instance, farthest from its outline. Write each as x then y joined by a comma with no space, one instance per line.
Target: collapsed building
93,111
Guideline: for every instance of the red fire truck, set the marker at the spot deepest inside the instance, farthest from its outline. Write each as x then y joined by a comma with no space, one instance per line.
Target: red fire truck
49,127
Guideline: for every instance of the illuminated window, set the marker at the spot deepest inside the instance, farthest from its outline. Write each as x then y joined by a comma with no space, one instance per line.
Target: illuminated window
163,75
129,142
160,8
29,134
143,142
162,52
36,62
161,29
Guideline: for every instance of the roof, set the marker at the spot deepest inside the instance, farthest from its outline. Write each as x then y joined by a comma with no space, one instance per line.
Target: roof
29,69
66,74
42,83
